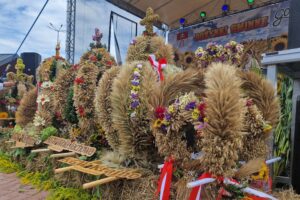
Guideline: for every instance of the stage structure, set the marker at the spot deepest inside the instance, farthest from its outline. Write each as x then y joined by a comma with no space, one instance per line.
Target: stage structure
288,62
70,40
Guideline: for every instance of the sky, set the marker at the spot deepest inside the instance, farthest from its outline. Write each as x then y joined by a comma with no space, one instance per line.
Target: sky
16,18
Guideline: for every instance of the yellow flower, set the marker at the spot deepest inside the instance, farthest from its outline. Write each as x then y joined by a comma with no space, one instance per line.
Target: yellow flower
136,70
267,128
157,123
263,173
171,109
205,119
195,114
165,122
135,88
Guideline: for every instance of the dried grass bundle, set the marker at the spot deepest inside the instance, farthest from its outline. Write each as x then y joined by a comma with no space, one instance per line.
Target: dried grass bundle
27,108
250,168
176,84
178,137
222,138
136,139
254,142
84,94
142,188
104,107
144,45
263,95
61,89
287,195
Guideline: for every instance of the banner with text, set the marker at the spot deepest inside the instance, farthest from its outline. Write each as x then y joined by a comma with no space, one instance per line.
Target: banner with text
258,24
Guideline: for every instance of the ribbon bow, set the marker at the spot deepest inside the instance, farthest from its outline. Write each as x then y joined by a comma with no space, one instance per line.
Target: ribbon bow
158,65
165,179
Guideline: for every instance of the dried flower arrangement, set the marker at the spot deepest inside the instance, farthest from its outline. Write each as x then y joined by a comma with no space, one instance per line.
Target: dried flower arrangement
186,111
131,90
230,53
257,130
84,94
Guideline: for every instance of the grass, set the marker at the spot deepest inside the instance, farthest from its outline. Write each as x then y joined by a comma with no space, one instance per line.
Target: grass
43,181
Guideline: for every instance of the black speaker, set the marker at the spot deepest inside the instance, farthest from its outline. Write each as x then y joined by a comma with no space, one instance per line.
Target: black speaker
296,150
32,61
294,25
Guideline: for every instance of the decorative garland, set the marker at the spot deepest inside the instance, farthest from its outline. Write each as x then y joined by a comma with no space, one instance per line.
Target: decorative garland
222,138
170,121
129,116
230,53
84,94
134,92
103,106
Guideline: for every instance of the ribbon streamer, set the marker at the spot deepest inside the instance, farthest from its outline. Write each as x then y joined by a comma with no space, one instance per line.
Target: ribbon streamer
197,186
165,179
158,65
207,178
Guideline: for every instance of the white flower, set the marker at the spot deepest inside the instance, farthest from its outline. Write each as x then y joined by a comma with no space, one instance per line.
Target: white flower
42,99
139,66
133,115
47,84
136,73
39,121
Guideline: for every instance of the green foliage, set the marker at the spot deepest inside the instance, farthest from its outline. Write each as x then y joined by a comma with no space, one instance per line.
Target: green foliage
283,130
63,193
6,165
39,180
47,132
53,70
17,128
235,191
70,110
45,181
255,67
19,152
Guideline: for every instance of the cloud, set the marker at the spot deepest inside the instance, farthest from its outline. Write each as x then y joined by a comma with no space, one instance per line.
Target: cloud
17,17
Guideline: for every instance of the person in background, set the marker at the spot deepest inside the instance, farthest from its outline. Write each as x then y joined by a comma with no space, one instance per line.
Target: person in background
6,85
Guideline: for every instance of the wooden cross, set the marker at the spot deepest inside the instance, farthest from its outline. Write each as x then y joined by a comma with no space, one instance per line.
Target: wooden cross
149,20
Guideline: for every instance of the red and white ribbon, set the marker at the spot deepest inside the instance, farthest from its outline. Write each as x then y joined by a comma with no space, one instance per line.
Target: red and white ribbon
158,65
197,186
207,178
165,179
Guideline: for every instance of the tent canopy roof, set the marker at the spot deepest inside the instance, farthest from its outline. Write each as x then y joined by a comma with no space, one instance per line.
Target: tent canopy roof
171,11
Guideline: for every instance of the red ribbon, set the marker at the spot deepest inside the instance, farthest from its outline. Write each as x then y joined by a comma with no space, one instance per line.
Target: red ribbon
253,197
195,190
158,66
167,172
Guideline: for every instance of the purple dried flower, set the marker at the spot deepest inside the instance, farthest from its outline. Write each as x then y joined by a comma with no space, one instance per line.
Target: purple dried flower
135,82
135,104
163,128
168,116
134,96
190,105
